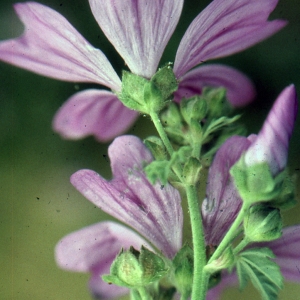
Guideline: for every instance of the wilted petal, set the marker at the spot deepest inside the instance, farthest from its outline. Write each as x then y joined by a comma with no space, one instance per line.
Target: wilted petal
51,46
240,89
138,29
224,28
271,144
154,211
93,249
222,202
93,112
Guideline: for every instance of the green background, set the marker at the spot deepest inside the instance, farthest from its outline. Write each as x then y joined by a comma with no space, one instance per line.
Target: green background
38,204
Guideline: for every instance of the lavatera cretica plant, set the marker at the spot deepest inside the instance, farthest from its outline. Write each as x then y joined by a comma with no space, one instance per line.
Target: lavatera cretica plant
152,262
237,232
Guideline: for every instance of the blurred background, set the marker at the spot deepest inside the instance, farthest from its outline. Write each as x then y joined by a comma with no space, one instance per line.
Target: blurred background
38,204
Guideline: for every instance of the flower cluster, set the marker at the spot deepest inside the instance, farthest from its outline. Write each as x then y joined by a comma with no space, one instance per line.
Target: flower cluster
237,233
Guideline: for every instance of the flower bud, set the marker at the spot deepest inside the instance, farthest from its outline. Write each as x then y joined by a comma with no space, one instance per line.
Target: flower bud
156,146
263,224
135,269
183,265
193,108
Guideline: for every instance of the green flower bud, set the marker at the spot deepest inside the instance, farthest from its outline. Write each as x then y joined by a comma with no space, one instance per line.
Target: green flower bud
170,116
217,104
193,108
255,183
135,269
191,170
263,224
183,266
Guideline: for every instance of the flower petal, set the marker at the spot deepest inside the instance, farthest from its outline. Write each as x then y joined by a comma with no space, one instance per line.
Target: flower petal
287,252
138,29
51,46
152,210
222,202
224,28
93,112
271,144
93,249
240,89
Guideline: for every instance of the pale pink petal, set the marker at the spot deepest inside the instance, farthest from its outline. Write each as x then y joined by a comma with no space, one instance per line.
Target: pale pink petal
93,112
51,46
224,28
222,202
93,249
138,29
154,211
240,89
271,144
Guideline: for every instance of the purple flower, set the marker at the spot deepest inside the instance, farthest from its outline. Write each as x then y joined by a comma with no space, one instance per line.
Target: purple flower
153,211
223,203
139,30
271,144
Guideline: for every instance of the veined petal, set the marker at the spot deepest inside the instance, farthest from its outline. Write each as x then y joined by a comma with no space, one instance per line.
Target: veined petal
287,252
51,46
240,89
138,29
222,202
152,210
93,112
224,28
271,144
93,249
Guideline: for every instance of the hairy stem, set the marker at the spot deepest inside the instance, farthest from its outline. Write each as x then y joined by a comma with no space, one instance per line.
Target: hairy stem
231,234
199,288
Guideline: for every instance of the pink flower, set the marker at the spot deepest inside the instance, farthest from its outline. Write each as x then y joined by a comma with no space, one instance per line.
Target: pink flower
152,211
139,31
223,202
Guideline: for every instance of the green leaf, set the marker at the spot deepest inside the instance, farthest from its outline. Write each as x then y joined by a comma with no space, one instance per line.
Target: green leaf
256,264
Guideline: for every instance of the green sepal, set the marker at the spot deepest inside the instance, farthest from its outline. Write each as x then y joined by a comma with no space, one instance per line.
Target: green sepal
191,171
287,197
262,224
132,94
134,269
156,146
170,116
193,108
256,265
165,81
183,266
217,103
255,183
158,170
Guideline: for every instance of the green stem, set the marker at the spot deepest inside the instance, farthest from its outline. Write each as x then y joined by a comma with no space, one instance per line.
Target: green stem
231,234
161,132
199,288
144,294
241,246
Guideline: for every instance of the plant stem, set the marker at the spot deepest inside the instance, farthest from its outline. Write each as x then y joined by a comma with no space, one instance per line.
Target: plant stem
199,287
161,132
144,294
231,234
241,246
